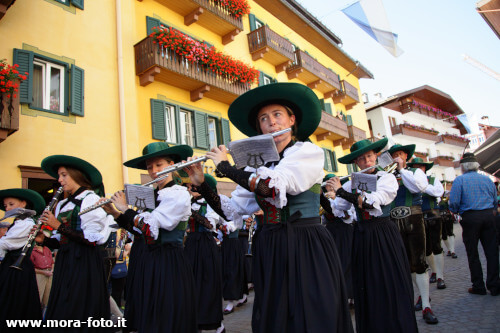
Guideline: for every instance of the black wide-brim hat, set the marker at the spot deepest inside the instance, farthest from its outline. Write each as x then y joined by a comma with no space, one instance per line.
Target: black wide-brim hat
468,157
299,98
408,149
361,147
52,163
419,161
158,149
33,199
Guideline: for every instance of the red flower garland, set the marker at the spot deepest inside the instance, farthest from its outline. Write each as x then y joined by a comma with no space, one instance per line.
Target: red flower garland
236,8
198,52
10,78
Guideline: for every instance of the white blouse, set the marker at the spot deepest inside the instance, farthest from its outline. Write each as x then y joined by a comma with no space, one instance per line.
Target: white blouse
96,223
16,237
211,215
174,207
387,188
300,168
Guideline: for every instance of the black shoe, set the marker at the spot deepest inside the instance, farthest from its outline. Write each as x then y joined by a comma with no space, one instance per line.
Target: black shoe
429,316
441,284
454,256
418,306
477,292
432,279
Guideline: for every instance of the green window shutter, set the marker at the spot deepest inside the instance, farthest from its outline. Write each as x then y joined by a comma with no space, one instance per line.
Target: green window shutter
349,120
322,102
226,133
261,78
25,61
335,167
77,91
328,160
201,129
77,3
151,23
251,18
328,108
158,119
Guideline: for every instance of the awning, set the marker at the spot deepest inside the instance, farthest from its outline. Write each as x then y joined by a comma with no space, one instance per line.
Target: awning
488,155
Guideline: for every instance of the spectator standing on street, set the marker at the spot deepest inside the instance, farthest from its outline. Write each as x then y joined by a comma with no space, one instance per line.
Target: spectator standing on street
474,197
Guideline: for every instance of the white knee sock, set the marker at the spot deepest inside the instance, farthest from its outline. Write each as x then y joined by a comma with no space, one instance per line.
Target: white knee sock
230,305
430,261
439,265
447,243
422,282
114,307
451,240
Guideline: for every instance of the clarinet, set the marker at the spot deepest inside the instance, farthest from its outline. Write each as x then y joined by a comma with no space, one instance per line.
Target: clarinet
32,236
250,237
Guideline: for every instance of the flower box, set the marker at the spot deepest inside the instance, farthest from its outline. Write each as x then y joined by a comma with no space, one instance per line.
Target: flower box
9,119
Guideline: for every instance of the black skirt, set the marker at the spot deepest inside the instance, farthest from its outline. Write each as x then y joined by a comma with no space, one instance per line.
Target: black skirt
342,234
298,281
133,293
383,290
19,298
233,270
79,289
204,257
165,300
247,253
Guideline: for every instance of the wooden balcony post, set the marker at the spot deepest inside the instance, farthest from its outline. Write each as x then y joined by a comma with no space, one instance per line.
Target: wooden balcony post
149,76
193,16
228,38
197,94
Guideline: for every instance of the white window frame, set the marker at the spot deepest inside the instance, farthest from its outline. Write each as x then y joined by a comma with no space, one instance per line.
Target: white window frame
212,130
46,70
170,123
186,127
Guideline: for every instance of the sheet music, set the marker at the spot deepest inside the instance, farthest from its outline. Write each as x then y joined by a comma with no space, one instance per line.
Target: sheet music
385,159
142,197
364,182
254,152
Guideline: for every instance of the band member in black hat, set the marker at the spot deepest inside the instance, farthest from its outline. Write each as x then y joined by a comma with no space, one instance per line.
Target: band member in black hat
79,288
383,292
298,281
407,214
18,288
160,285
433,223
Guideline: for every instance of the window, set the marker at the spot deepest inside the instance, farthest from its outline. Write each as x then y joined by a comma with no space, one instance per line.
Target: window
266,79
392,121
52,85
327,107
177,125
254,22
330,160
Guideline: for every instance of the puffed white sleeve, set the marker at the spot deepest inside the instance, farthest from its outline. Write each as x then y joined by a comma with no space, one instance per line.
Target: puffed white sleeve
435,190
93,223
300,168
340,205
242,202
212,217
174,207
387,189
16,237
414,182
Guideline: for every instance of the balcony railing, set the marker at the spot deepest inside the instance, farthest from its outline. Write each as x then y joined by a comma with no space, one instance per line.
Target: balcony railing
332,128
444,161
317,76
451,140
347,95
418,133
209,15
9,119
153,62
409,107
355,134
264,43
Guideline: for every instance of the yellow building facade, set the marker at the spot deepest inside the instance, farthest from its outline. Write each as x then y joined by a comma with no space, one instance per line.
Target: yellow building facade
100,89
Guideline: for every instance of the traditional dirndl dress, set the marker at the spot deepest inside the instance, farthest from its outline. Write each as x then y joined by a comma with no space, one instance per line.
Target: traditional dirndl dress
204,256
19,298
79,289
234,284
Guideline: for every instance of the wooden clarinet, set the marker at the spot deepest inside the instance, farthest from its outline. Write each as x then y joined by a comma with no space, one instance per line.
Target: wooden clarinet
250,237
32,236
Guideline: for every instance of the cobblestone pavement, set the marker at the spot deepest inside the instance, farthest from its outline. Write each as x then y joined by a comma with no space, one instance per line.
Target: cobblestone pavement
456,309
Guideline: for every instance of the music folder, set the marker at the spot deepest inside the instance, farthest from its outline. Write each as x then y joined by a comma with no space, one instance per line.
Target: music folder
139,196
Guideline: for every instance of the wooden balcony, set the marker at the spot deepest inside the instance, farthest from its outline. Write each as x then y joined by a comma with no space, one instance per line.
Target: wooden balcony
9,120
4,5
209,15
409,107
266,44
355,134
331,128
314,74
444,161
347,95
451,140
423,156
418,133
155,63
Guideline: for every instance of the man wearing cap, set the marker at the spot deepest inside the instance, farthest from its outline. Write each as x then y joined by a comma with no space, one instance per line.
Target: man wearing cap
406,212
383,291
432,220
474,197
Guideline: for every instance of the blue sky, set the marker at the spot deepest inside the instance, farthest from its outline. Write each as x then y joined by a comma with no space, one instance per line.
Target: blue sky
433,35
